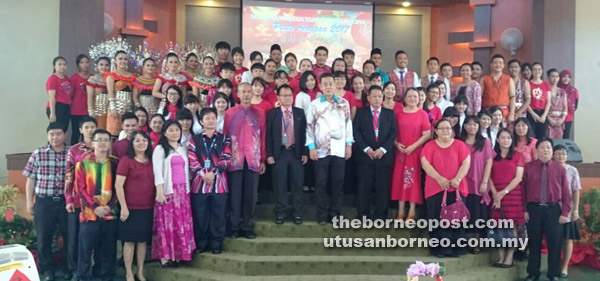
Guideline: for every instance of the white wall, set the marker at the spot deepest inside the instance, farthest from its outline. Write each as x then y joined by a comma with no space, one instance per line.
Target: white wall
587,69
29,42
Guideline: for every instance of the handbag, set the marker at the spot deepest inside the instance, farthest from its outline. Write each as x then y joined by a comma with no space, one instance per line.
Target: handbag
500,234
455,211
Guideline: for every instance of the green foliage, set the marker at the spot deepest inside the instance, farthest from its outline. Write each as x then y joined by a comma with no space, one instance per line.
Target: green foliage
8,195
590,208
18,231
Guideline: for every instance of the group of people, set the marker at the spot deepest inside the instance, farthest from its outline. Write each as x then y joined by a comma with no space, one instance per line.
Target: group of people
173,159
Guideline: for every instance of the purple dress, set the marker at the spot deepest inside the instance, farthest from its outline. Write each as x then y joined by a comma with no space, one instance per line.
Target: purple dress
173,232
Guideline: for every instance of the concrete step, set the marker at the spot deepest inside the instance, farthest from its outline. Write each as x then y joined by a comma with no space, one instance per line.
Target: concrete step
247,265
309,211
311,229
262,246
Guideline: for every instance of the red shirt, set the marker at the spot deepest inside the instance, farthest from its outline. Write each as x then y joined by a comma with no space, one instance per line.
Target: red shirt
294,82
265,105
63,88
119,149
237,78
139,185
558,184
79,103
318,70
349,96
353,72
270,93
446,161
539,94
246,126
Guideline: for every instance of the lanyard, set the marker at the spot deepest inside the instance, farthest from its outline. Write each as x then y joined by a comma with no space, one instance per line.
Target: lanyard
207,149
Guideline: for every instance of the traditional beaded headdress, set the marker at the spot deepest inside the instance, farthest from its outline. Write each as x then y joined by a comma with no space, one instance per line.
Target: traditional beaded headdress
109,48
144,52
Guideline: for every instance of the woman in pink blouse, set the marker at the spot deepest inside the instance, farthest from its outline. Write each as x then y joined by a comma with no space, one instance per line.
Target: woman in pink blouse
470,88
524,142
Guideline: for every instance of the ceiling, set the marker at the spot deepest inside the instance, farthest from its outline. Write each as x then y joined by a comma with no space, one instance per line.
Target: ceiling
419,3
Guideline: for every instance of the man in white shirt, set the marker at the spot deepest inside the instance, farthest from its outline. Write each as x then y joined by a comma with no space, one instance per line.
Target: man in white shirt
329,138
403,77
433,67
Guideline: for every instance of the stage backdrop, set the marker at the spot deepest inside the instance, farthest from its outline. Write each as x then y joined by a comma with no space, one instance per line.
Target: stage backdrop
300,28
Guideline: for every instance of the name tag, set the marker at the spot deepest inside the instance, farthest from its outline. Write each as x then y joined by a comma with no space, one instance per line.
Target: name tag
207,164
284,139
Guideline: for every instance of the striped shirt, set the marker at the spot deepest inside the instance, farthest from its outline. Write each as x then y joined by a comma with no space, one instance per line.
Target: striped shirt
217,150
47,167
94,183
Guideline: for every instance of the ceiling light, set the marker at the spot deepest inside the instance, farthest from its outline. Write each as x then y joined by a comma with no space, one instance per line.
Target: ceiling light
288,0
367,3
405,4
327,2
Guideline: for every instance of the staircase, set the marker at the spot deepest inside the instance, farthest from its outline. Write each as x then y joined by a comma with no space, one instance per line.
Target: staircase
297,252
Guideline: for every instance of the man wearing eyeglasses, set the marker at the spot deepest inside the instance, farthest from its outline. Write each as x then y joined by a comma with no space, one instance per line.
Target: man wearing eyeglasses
94,179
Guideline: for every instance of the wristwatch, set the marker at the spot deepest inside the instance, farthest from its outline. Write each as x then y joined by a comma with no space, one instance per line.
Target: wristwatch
506,191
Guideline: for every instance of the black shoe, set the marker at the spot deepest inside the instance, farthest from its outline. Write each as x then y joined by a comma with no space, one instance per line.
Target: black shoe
298,220
169,264
507,265
532,278
279,220
249,234
562,275
217,251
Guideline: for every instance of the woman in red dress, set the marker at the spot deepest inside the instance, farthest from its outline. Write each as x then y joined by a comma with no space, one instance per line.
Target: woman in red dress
293,74
258,92
413,131
389,93
505,184
358,89
446,162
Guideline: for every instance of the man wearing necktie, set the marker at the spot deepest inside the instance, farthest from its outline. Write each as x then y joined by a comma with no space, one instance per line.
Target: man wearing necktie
403,77
374,132
285,139
433,68
547,197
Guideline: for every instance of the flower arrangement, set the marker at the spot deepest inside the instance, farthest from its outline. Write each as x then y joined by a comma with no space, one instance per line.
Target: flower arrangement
8,195
419,268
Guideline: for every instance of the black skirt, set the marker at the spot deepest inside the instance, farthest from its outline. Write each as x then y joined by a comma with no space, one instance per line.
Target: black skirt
434,208
138,227
478,211
571,231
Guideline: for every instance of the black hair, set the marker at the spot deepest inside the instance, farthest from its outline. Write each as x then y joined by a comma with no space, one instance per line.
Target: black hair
363,96
184,114
430,59
466,64
325,75
342,60
149,59
257,65
290,55
222,45
84,119
304,78
550,71
494,109
55,60
207,110
237,50
451,111
284,86
462,98
497,56
487,113
103,58
375,75
524,66
305,59
179,102
498,150
376,51
528,134
228,66
120,52
169,55
369,62
147,152
163,141
560,147
437,124
208,58
537,63
55,125
192,99
259,80
427,90
191,54
224,82
100,132
128,115
374,88
339,74
476,63
514,61
255,54
388,83
221,95
399,52
275,47
321,48
348,52
268,61
156,115
79,58
278,74
479,139
445,64
544,139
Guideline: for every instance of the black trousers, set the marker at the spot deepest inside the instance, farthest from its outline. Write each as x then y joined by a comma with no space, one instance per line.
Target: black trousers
63,114
288,171
330,168
434,208
75,135
50,213
73,242
101,238
373,178
208,212
540,130
567,131
543,220
243,190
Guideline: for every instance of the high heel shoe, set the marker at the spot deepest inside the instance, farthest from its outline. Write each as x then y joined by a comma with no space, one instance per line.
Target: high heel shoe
400,217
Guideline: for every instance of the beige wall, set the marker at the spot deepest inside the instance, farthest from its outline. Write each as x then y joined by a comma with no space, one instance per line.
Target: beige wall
587,68
29,42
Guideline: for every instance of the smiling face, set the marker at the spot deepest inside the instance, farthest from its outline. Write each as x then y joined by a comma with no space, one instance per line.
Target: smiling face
476,72
221,105
375,98
411,98
101,143
311,82
276,56
321,57
349,59
208,65
358,84
192,63
497,117
461,107
466,72
472,127
130,126
84,65
140,144
504,139
536,71
497,65
521,129
121,61
291,63
433,94
340,82
238,59
390,91
173,96
156,124
172,64
142,119
60,66
56,137
566,79
149,67
444,130
305,65
339,65
485,122
514,69
376,58
401,61
173,133
103,66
